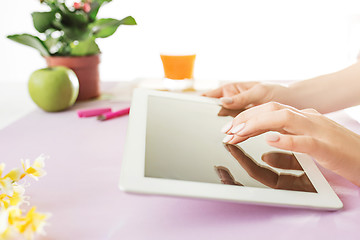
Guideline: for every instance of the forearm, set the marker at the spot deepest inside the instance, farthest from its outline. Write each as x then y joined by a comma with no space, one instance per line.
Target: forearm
326,93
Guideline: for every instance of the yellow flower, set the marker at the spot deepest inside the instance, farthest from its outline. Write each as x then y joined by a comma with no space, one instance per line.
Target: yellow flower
5,182
6,186
14,175
13,217
36,170
14,224
18,197
33,223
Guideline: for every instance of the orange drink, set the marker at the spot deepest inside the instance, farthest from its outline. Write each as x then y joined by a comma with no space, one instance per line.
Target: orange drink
178,67
178,71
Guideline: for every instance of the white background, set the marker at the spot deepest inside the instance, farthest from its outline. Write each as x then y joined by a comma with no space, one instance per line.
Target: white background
233,39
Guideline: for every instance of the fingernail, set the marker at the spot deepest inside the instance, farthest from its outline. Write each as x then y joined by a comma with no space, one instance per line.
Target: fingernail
226,127
272,137
226,100
237,128
227,138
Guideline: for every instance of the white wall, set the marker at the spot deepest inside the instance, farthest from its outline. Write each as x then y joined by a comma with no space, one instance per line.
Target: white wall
233,39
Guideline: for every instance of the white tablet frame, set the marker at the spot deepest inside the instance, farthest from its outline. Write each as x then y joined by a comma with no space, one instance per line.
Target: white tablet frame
132,178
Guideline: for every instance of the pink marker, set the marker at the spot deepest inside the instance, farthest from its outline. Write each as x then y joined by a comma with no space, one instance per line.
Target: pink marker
110,115
93,112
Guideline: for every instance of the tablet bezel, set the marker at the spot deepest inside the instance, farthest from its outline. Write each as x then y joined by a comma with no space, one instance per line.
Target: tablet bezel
132,178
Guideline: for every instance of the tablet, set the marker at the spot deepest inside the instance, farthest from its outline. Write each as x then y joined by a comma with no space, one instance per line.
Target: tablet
174,147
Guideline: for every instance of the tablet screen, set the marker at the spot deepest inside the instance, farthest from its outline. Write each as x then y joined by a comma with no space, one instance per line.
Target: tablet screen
184,145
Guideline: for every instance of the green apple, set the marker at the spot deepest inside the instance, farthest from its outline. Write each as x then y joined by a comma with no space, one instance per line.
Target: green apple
53,89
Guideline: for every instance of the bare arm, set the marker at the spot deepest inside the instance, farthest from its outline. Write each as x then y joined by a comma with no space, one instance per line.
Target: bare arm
326,93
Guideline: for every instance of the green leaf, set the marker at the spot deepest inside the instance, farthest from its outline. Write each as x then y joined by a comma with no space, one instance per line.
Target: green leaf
70,19
54,41
84,48
31,41
43,20
76,34
95,6
106,27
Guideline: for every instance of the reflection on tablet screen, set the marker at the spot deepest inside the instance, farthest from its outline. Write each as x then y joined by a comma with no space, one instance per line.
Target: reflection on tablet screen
186,146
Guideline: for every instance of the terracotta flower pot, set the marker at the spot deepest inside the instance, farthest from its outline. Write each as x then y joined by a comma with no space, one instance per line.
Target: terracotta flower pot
86,69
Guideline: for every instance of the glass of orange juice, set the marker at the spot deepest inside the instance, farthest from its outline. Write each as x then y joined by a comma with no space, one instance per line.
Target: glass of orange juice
178,69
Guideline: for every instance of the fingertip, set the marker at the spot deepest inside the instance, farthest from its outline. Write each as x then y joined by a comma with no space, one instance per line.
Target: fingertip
226,127
226,100
236,139
272,137
216,93
228,138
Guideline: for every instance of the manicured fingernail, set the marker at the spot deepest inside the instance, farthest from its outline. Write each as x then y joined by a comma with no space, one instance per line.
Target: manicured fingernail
227,138
272,137
237,128
226,127
226,100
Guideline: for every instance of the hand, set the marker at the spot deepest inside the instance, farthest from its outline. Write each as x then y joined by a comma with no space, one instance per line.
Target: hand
306,131
244,95
266,175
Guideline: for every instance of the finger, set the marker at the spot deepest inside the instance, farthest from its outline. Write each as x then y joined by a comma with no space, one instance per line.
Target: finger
239,101
310,111
216,93
245,115
295,143
263,108
271,116
284,121
234,139
230,90
254,95
281,160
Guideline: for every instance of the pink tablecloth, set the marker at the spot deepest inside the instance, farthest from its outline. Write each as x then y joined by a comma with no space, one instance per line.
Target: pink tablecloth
81,190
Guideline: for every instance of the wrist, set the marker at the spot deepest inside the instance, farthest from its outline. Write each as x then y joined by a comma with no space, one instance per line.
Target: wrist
301,95
284,94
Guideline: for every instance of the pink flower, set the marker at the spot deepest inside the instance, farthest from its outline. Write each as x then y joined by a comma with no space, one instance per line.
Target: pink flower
86,7
77,5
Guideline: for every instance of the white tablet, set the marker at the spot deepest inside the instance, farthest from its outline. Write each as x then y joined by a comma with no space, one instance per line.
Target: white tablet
174,147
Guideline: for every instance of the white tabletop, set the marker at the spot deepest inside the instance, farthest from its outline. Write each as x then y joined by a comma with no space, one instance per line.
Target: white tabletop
15,102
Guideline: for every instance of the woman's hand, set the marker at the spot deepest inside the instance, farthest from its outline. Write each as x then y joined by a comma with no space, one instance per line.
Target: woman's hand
306,131
247,94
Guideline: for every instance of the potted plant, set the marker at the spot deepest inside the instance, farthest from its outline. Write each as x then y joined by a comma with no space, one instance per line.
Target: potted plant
67,34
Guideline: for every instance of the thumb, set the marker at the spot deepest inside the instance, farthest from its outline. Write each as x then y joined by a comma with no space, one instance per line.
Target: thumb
294,143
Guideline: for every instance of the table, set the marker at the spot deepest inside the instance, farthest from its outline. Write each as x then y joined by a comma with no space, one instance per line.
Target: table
81,189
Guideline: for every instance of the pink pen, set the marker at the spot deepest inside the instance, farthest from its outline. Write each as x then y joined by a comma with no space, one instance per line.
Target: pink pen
93,112
110,115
